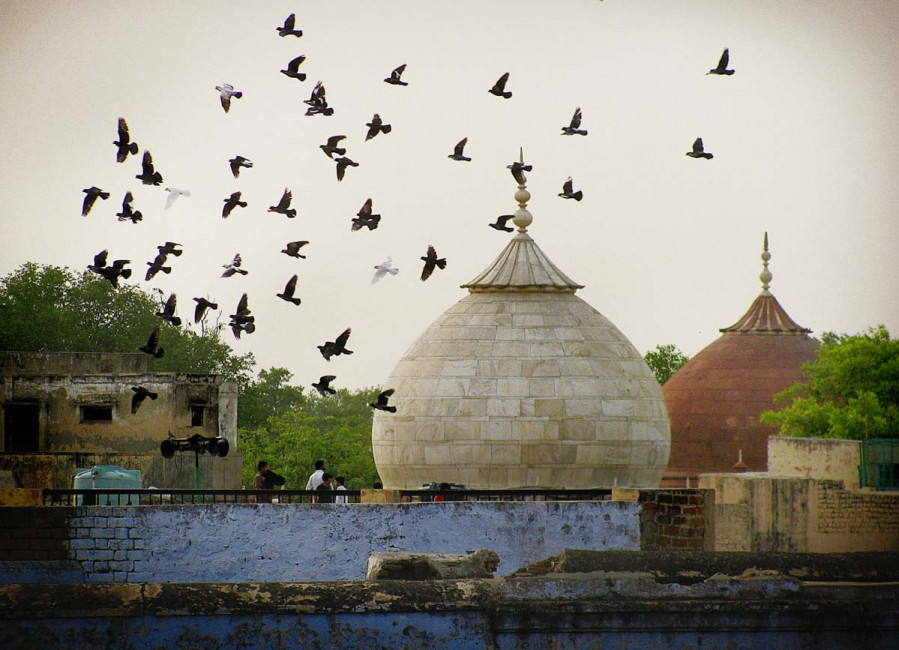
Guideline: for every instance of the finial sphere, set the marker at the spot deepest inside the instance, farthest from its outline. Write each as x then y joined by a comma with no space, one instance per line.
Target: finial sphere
522,218
522,196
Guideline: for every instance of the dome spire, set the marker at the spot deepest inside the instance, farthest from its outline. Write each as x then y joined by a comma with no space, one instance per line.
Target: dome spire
522,217
765,276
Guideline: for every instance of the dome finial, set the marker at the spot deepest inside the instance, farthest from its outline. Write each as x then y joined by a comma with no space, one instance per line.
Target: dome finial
765,276
522,217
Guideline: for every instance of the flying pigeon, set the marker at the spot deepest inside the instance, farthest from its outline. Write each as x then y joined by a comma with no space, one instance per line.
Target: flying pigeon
140,394
457,151
231,202
376,126
499,88
323,386
202,306
318,103
127,212
288,28
568,191
149,175
168,310
156,266
289,290
337,347
342,164
698,151
99,261
226,92
383,269
114,272
330,148
518,169
293,249
233,267
381,404
242,321
365,219
574,127
283,206
237,162
501,223
92,194
124,144
394,77
722,64
169,249
152,347
293,67
173,195
431,261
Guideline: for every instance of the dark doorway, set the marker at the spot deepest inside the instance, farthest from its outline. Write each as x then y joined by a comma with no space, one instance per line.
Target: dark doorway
21,430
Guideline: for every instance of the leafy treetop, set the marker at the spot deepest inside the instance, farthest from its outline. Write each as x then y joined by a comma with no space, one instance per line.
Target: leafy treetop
664,361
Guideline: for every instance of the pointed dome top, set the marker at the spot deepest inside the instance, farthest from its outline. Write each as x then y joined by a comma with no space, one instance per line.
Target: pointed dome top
765,315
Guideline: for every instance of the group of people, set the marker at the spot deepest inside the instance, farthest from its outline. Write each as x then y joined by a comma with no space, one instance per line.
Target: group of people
319,481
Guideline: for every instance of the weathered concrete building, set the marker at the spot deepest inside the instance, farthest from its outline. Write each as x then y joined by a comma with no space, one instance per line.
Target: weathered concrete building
63,411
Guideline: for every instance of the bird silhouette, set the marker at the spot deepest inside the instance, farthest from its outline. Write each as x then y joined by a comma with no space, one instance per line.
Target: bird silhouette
293,249
293,67
318,103
342,163
289,290
202,306
365,219
140,394
226,92
237,162
721,68
124,143
169,248
501,223
323,386
168,310
148,175
457,151
288,28
394,78
336,347
376,126
173,195
232,202
99,261
381,403
233,267
128,213
383,269
156,266
330,147
568,191
92,194
574,127
241,320
698,151
152,347
499,88
518,169
114,272
431,262
283,206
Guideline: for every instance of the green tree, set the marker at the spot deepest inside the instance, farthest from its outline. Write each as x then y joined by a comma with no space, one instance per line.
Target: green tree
852,390
268,396
664,361
53,309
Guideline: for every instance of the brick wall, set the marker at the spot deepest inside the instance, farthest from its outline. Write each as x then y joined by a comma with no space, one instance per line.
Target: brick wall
33,534
676,520
870,519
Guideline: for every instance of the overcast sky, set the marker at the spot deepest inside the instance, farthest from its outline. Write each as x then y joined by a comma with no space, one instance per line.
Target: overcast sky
805,137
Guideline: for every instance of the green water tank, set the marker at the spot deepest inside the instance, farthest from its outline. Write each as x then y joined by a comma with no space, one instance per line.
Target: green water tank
108,477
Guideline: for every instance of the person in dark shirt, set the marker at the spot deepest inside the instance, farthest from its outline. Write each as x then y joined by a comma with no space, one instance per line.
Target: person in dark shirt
325,488
266,479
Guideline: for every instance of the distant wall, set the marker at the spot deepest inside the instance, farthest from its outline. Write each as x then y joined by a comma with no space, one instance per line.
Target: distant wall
677,520
819,458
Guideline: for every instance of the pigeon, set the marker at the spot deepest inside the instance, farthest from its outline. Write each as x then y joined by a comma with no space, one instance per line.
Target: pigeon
292,70
231,202
168,310
323,386
156,266
431,261
394,77
293,249
202,306
124,144
568,191
226,92
99,261
457,151
698,151
169,249
289,290
152,347
241,320
140,394
127,212
499,88
237,328
337,347
383,269
376,126
317,102
283,206
111,273
174,193
288,28
722,64
381,404
149,175
233,267
518,169
92,194
501,223
365,219
342,163
330,148
237,162
573,128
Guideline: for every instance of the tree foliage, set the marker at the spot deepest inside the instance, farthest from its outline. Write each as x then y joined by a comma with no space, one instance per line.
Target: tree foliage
852,390
664,361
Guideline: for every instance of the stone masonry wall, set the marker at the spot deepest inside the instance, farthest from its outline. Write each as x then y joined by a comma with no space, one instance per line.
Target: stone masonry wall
676,520
866,520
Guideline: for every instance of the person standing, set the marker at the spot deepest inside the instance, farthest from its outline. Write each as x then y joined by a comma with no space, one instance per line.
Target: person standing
340,498
266,479
315,479
324,490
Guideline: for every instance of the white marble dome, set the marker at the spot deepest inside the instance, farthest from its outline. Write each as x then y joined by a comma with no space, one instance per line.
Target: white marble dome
522,384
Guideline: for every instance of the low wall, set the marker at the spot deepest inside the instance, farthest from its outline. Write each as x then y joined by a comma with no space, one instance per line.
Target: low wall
818,458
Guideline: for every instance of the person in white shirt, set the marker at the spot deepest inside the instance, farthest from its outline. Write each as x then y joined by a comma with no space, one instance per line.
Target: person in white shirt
340,498
315,479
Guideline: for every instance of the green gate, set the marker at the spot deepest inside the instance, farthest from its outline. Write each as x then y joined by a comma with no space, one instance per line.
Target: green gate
879,467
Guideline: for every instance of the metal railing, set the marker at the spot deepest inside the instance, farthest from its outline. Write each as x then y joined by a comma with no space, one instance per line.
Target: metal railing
522,494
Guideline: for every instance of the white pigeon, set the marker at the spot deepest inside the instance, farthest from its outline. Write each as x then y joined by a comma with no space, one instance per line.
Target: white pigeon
226,93
383,269
174,193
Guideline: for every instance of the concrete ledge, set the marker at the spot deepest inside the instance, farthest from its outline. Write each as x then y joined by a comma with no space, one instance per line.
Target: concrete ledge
20,497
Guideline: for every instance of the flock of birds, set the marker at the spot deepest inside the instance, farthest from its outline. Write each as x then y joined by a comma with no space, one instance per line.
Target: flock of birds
242,320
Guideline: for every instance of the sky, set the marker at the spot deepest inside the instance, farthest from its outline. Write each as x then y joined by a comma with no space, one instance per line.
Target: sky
805,137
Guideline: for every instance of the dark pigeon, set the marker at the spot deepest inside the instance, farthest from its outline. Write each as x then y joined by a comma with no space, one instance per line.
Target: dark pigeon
152,347
92,194
232,202
365,219
283,206
336,347
124,143
574,127
149,175
381,404
342,164
127,212
323,386
457,151
330,148
698,151
287,29
237,162
431,262
293,249
140,394
376,126
168,310
202,306
394,78
568,191
289,290
721,69
293,67
499,88
501,223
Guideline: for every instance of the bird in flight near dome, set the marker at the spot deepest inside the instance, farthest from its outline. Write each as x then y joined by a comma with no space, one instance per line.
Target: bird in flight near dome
237,162
233,267
92,194
721,68
289,289
330,147
518,169
336,347
324,385
376,126
293,249
499,88
226,92
394,78
287,29
342,163
283,206
568,191
365,219
699,151
152,347
149,175
431,262
458,149
124,143
128,213
203,305
381,404
293,68
383,269
574,127
140,394
157,265
232,202
501,222
173,194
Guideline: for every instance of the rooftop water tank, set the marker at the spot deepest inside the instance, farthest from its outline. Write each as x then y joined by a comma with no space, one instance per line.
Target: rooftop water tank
108,477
